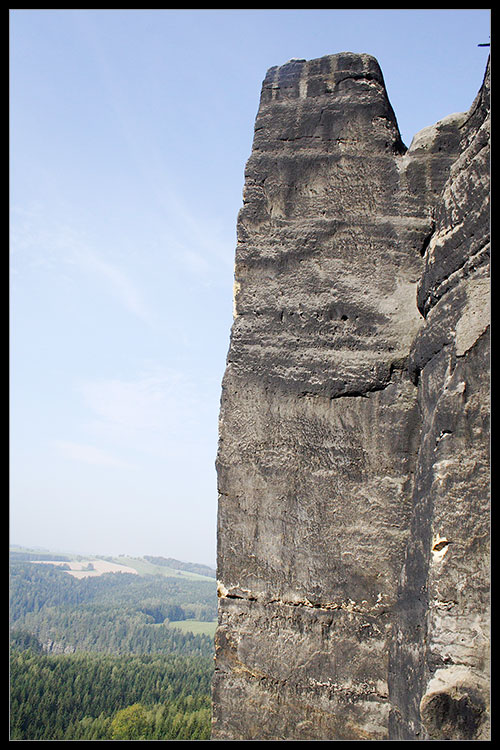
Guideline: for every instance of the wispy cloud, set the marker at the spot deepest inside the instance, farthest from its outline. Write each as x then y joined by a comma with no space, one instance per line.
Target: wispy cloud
128,405
192,238
39,242
88,454
118,283
158,412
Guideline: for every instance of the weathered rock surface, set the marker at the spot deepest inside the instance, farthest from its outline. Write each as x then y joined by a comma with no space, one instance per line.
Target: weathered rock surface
353,461
440,647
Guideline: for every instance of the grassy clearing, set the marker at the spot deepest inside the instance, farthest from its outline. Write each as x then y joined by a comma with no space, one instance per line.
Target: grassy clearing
195,626
144,567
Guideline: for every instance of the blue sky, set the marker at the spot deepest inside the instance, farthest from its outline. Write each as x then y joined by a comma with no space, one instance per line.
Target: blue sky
129,133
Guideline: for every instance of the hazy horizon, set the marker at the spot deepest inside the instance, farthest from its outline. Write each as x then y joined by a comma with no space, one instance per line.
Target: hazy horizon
103,554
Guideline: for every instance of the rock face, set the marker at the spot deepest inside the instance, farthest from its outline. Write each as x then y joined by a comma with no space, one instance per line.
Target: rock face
353,465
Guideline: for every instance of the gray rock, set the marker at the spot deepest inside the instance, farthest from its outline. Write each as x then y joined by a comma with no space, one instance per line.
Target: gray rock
443,619
352,462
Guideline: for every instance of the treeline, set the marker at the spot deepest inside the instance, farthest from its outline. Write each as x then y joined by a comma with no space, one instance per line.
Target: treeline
34,587
104,697
19,556
116,613
110,631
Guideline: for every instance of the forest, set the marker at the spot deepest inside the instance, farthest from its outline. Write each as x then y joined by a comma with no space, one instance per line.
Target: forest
98,658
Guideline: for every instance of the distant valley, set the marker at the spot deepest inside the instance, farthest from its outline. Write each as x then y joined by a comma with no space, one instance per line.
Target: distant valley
137,631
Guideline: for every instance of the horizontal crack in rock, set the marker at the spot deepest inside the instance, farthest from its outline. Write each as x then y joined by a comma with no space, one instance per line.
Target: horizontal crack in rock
348,605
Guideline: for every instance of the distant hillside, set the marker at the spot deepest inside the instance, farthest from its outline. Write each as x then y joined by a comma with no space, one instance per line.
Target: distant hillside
170,562
113,612
146,565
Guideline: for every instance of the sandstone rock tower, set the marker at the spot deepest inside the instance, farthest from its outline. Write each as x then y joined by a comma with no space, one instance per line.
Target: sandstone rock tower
353,461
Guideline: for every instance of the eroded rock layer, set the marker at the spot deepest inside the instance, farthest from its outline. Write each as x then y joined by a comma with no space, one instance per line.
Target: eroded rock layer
353,452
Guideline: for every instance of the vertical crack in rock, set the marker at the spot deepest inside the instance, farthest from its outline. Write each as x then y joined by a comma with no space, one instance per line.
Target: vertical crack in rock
439,662
353,418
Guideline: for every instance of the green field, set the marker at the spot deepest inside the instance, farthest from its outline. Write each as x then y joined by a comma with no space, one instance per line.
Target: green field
195,626
143,567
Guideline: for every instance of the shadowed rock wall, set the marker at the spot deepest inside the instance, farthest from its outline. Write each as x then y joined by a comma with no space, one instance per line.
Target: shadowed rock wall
353,453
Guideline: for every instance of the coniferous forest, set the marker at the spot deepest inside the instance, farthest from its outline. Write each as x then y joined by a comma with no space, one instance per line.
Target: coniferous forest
98,658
